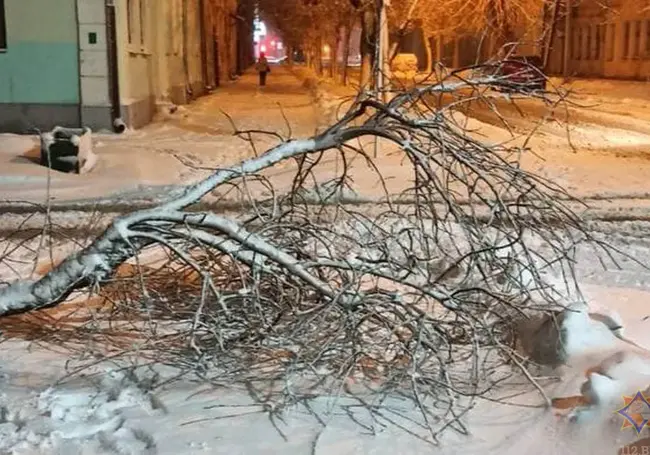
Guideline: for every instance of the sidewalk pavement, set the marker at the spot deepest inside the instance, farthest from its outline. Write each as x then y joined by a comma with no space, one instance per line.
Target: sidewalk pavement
199,134
610,163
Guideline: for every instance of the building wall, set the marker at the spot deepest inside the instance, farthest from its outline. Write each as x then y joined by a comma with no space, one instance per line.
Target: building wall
169,54
93,59
55,70
39,82
605,42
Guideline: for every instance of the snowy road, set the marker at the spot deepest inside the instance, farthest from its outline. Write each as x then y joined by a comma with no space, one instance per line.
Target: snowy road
121,416
112,414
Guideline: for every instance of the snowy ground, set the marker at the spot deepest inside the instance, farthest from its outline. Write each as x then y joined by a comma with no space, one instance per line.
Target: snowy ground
609,158
111,414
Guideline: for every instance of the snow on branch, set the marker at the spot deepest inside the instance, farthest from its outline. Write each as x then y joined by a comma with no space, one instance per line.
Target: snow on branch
419,298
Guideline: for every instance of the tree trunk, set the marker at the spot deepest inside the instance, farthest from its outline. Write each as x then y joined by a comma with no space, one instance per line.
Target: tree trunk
186,67
319,57
394,48
367,50
334,55
346,51
429,49
551,32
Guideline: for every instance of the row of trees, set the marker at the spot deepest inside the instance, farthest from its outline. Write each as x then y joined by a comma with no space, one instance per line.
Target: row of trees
311,24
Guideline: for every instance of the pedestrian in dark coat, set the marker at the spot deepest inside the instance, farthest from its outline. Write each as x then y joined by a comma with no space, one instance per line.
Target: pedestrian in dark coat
262,68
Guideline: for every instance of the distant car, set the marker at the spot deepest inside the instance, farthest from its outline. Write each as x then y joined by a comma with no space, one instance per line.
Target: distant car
276,59
521,73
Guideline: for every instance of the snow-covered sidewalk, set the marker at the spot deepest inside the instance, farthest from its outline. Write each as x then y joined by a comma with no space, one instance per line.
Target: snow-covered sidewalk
164,152
611,162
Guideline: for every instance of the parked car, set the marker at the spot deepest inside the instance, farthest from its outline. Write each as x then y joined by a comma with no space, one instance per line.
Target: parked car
521,72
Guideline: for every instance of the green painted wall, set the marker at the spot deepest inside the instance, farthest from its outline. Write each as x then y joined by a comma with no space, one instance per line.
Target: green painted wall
41,62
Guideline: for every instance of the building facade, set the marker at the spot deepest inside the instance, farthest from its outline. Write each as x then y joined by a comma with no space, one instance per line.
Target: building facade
606,40
104,63
39,63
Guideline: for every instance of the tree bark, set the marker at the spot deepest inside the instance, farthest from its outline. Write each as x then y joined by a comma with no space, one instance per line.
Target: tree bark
346,51
289,52
319,56
429,49
334,55
394,48
368,38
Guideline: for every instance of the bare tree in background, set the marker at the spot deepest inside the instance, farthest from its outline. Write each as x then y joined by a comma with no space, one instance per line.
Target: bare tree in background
416,295
497,20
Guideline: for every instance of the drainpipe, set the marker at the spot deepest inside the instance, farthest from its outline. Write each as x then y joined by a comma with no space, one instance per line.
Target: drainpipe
79,91
113,74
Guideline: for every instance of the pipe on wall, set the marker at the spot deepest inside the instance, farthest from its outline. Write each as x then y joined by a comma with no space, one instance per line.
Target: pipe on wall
113,70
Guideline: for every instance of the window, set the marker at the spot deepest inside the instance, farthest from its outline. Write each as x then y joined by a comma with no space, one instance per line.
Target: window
588,42
129,20
626,40
3,27
136,12
577,44
647,38
611,40
636,49
141,16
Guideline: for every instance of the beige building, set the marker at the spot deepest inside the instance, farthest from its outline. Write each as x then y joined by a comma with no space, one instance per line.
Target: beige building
138,54
607,40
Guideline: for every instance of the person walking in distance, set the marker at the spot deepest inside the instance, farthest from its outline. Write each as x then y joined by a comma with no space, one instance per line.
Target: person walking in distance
263,68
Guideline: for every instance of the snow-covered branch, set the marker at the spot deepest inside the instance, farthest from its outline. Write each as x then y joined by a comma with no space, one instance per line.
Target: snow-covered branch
423,295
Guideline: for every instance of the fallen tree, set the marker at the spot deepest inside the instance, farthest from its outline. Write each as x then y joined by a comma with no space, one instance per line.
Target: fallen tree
419,298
